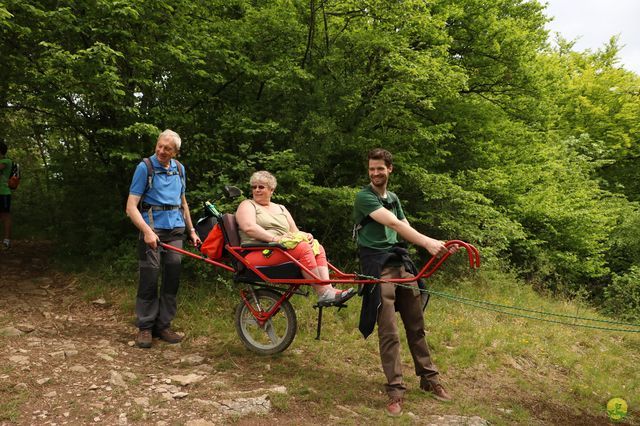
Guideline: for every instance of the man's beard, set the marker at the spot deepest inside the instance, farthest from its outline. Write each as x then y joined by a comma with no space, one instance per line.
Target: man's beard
379,182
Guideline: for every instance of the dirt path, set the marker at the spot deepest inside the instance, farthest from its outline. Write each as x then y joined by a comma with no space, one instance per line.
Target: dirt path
64,360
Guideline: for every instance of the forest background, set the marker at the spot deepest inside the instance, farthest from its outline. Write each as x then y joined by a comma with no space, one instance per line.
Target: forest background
525,149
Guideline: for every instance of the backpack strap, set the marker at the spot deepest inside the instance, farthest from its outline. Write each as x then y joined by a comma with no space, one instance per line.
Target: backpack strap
15,169
180,172
147,187
389,203
147,162
150,174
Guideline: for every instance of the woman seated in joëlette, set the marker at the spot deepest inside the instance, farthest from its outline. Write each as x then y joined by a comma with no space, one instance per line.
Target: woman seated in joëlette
260,220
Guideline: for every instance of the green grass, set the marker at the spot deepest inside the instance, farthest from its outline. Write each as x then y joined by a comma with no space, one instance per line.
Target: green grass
505,369
11,403
12,399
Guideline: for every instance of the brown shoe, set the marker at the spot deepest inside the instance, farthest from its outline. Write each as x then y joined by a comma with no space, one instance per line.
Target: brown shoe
169,336
437,391
394,407
143,339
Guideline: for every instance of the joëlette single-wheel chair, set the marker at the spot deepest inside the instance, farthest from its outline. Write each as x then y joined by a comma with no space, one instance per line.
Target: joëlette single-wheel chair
265,319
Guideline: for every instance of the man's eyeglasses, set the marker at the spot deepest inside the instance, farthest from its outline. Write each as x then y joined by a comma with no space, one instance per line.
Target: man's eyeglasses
260,187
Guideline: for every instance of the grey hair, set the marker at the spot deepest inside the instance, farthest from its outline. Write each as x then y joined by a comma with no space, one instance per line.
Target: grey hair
170,134
264,176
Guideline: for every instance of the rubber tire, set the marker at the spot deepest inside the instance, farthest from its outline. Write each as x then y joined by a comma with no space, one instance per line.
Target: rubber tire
285,322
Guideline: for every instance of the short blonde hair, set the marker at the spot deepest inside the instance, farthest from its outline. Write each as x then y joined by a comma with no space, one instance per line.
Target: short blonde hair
170,134
265,177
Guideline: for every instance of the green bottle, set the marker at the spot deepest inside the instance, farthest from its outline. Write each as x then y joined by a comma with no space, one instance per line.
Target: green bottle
212,209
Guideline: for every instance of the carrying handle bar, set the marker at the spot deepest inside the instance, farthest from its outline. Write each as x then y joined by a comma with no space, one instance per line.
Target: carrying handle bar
435,262
342,278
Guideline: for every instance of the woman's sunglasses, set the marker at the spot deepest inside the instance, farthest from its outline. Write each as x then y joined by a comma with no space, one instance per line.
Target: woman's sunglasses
260,187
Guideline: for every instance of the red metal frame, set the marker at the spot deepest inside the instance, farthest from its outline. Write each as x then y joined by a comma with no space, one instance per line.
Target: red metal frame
341,278
261,316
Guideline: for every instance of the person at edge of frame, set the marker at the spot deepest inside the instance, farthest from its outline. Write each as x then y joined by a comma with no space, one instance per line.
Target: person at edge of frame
5,194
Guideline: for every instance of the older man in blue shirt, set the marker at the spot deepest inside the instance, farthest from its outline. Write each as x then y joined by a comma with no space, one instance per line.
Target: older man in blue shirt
158,207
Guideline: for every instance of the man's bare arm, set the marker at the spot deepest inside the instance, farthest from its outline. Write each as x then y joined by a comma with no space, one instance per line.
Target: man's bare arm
406,231
150,237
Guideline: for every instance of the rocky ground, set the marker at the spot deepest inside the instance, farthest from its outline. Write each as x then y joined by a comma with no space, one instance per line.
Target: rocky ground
68,360
65,360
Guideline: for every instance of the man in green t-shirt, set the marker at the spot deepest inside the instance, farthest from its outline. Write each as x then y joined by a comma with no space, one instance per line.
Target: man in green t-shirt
379,219
5,195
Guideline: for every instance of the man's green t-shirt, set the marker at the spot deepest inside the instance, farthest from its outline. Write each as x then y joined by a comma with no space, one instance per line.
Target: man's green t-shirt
4,176
372,234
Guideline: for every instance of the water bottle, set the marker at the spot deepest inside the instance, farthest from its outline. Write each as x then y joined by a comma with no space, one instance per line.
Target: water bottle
212,209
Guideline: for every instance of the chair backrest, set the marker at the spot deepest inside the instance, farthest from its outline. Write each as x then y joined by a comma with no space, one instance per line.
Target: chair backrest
230,229
232,237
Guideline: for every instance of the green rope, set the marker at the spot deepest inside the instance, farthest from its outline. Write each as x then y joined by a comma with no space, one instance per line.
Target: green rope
536,318
499,308
517,308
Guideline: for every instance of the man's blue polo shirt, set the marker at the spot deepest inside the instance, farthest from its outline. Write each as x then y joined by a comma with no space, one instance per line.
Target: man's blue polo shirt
167,190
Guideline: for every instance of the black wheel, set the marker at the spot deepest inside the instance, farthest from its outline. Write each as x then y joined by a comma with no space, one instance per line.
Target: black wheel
276,334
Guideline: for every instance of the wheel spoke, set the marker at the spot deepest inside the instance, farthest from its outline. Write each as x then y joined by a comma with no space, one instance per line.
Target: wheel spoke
251,321
271,332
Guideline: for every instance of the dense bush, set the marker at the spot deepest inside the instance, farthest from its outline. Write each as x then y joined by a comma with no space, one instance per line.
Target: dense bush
622,296
526,151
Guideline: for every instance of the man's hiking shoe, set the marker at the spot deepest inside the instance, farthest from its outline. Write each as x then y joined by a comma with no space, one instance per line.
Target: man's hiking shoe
394,407
6,244
169,336
336,298
437,391
144,339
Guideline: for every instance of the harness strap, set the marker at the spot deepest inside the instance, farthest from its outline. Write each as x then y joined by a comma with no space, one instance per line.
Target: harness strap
388,204
150,174
150,215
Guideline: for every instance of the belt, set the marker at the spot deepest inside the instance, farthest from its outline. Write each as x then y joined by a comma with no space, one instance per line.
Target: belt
163,207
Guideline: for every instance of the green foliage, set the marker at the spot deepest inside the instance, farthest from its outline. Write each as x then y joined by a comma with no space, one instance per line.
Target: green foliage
566,217
440,207
622,296
527,151
600,100
625,240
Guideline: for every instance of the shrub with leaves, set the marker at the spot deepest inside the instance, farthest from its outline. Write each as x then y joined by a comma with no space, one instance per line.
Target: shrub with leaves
622,296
